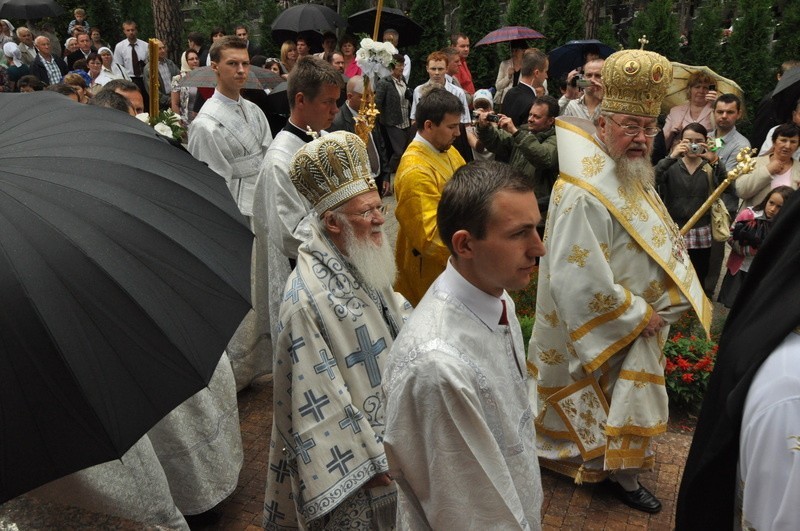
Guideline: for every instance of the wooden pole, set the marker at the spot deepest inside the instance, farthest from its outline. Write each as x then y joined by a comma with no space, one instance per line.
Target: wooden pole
152,50
378,10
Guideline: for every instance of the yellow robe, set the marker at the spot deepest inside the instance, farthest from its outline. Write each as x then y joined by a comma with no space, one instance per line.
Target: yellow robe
421,255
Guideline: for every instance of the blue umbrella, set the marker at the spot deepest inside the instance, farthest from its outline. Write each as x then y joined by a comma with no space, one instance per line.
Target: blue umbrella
570,56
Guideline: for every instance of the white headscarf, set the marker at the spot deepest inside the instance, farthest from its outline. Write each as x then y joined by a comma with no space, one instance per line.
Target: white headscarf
11,50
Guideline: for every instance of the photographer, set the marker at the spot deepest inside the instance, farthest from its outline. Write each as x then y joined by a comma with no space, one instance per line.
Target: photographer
685,179
591,81
530,148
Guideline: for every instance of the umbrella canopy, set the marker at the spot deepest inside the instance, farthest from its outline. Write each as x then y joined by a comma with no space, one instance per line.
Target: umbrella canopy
364,22
509,33
278,100
306,19
570,56
124,271
29,9
204,76
786,94
676,93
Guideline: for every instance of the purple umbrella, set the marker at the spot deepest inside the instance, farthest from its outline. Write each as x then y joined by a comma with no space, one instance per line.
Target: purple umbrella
509,33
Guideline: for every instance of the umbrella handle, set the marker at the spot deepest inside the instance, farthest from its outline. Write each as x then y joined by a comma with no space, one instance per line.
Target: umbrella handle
378,10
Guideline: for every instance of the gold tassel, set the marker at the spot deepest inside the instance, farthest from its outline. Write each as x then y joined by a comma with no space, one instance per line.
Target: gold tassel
579,476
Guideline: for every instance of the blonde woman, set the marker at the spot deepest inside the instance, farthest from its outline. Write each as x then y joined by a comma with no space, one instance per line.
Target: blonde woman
288,57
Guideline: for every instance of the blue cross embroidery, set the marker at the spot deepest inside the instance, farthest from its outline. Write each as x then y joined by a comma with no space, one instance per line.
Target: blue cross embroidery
302,447
367,354
351,419
294,292
326,365
281,470
295,346
314,405
339,461
273,514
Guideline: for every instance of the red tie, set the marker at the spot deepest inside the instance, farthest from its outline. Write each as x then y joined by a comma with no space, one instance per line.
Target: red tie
504,315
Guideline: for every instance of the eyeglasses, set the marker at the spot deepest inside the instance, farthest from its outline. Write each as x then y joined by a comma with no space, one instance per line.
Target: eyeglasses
633,130
370,214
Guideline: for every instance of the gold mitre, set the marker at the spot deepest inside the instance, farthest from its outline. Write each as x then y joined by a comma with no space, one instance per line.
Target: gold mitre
331,170
635,82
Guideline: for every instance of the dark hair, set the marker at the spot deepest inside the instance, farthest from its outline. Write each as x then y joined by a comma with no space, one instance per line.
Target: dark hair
268,64
697,128
80,64
30,81
435,104
241,26
552,105
788,65
519,44
187,52
347,38
112,100
466,202
123,85
729,98
786,130
455,36
62,88
785,192
258,60
93,56
197,38
225,43
308,76
533,59
215,30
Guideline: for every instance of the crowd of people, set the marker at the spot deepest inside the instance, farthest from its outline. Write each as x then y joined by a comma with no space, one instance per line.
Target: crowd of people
403,395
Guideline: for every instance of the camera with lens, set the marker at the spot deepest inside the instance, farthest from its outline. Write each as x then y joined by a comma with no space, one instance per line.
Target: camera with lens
580,82
696,148
489,117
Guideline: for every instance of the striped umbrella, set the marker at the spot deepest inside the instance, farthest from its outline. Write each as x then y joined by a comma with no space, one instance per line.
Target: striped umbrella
509,33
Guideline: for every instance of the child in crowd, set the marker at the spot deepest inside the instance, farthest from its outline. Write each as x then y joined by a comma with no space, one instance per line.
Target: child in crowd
80,20
747,234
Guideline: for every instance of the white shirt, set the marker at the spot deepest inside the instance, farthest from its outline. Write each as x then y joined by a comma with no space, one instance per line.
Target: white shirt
122,54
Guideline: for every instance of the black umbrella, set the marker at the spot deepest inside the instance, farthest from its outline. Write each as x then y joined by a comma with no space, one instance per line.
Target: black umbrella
364,22
570,56
278,100
786,94
29,9
124,271
310,20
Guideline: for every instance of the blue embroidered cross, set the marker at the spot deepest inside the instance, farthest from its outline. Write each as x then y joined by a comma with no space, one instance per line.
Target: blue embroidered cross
294,292
281,470
273,514
339,461
295,346
351,419
302,447
367,354
314,405
326,365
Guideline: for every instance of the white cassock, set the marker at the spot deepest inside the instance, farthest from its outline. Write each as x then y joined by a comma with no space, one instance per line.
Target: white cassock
769,444
460,437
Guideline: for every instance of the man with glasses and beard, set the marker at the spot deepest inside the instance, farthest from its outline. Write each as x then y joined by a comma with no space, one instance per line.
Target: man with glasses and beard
615,276
338,319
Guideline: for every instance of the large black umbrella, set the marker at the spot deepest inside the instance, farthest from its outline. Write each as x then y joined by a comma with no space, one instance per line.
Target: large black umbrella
310,20
124,271
29,9
570,56
364,22
786,94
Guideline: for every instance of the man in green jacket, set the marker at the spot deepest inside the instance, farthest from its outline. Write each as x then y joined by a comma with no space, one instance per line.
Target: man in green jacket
530,148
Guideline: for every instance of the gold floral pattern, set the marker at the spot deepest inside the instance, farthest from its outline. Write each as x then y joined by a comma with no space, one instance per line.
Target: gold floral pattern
659,236
593,165
558,192
571,349
639,384
588,418
578,256
590,400
796,439
632,209
633,246
606,251
653,291
569,407
602,303
552,318
587,435
551,357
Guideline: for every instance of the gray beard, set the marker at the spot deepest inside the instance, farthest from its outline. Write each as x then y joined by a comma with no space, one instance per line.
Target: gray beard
633,172
375,263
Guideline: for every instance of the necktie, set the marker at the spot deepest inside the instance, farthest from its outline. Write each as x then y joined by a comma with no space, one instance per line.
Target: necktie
137,66
504,315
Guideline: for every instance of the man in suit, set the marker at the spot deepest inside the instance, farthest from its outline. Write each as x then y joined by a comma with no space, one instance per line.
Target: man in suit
393,98
532,74
47,67
84,49
252,48
345,120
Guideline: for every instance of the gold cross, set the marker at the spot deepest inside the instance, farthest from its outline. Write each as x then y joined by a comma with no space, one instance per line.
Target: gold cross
643,41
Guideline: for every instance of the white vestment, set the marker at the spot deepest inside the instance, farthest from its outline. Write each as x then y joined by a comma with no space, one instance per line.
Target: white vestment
327,431
769,444
460,436
613,257
232,138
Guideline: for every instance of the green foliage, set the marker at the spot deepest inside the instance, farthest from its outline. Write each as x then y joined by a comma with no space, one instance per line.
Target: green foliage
477,18
525,300
526,13
526,323
104,15
354,6
787,46
606,34
141,13
689,362
269,11
225,13
559,24
660,24
429,15
704,42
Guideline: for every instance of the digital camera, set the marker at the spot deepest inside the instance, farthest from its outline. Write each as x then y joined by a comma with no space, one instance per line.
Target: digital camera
696,148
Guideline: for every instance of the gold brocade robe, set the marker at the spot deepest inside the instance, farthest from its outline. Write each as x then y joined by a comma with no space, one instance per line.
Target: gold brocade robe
613,257
421,255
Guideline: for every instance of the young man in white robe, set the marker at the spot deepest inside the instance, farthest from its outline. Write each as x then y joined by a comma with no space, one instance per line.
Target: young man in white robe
338,319
232,135
616,275
460,437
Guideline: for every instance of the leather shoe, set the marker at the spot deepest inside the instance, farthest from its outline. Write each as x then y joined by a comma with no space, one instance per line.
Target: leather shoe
640,499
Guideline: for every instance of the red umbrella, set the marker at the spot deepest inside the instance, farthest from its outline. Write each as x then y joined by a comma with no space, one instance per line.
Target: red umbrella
509,33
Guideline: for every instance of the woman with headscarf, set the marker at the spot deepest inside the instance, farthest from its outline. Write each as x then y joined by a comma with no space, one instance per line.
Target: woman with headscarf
183,98
16,68
110,70
6,31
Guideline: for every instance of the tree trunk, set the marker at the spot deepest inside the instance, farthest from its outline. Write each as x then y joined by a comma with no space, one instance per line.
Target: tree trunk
684,14
168,21
591,16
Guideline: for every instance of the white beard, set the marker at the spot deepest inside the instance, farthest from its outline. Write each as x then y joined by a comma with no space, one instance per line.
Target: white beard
374,262
633,171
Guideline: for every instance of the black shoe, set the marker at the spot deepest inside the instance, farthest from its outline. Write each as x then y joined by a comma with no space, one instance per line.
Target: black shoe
640,499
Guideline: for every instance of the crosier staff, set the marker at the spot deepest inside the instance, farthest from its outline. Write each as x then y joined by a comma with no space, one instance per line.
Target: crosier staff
152,49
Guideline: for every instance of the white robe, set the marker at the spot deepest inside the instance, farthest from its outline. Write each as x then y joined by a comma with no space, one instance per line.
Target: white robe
769,444
459,436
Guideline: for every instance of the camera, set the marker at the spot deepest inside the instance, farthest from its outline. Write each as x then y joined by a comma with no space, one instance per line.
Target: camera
580,82
493,118
712,87
696,148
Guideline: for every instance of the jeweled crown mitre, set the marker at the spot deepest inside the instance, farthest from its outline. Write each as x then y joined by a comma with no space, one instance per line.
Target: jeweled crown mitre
331,170
635,82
